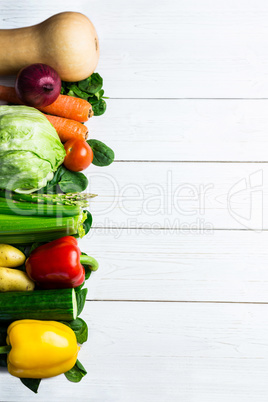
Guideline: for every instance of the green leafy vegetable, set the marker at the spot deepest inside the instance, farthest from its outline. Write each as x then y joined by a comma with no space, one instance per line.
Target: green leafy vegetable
73,182
76,373
87,273
92,84
89,89
80,329
81,295
31,383
88,221
30,149
103,155
52,185
67,181
98,106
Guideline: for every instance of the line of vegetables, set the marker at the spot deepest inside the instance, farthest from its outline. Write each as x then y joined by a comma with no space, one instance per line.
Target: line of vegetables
44,147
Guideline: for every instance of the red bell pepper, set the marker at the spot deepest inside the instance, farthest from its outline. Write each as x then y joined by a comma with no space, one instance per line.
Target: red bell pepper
57,264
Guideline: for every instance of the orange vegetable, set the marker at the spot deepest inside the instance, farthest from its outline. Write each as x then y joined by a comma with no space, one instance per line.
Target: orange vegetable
69,107
64,106
8,94
67,41
68,129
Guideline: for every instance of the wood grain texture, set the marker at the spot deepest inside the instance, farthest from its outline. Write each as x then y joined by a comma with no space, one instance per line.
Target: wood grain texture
184,130
170,265
180,195
151,49
164,351
171,351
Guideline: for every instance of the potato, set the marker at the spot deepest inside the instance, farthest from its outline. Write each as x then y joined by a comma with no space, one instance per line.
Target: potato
14,280
10,256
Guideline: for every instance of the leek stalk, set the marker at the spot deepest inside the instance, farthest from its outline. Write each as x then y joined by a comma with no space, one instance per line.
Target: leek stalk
17,229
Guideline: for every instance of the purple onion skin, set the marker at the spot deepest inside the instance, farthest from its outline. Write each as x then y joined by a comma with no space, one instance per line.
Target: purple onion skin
38,85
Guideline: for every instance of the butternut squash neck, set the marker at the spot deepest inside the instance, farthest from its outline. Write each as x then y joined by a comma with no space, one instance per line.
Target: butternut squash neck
18,48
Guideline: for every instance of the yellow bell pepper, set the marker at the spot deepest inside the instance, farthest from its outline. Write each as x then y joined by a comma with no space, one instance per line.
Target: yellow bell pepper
40,349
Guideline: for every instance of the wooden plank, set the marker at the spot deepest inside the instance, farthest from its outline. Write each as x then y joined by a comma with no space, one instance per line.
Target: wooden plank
184,130
180,195
174,49
229,266
165,351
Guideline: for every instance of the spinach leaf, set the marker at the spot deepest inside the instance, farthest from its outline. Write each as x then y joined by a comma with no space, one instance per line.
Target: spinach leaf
89,89
99,94
87,272
73,182
31,383
99,107
75,91
51,186
70,93
76,373
66,181
103,155
81,299
80,329
88,222
92,84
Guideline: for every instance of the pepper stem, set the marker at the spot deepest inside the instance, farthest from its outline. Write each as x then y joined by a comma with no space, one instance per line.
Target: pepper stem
87,260
4,349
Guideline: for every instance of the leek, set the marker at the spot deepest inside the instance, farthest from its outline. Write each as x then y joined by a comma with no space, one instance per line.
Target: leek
15,224
17,229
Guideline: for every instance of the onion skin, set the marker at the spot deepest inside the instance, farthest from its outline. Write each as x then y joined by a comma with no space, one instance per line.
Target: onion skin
38,85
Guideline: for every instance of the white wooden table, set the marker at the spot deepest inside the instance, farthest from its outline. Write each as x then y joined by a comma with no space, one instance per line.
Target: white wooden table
178,309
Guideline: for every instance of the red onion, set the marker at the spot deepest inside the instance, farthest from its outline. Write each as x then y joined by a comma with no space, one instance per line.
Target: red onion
38,85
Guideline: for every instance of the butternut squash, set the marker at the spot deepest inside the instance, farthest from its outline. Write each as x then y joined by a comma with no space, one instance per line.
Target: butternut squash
67,41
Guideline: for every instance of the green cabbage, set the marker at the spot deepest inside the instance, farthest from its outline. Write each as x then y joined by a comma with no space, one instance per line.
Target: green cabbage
30,149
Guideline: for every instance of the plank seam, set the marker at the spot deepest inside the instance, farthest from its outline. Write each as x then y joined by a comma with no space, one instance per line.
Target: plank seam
177,229
175,301
182,99
181,161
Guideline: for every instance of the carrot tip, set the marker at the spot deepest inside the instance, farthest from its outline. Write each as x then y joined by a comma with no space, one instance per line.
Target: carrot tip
90,113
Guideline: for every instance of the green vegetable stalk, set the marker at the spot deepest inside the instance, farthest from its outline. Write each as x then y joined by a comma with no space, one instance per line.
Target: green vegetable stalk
10,207
72,199
18,229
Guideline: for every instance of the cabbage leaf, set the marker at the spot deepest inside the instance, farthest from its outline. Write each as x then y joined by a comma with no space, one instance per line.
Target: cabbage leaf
30,149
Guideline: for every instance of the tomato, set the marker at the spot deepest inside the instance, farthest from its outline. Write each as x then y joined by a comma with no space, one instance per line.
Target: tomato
79,155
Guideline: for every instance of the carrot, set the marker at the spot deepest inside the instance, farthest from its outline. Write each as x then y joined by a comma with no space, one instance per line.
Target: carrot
68,129
8,94
69,107
66,106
